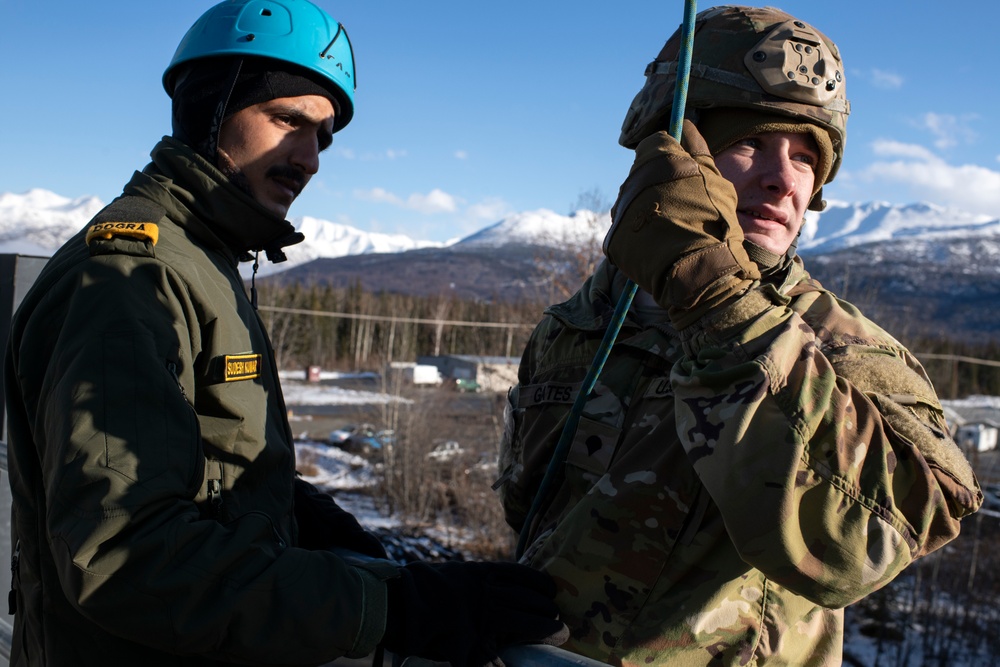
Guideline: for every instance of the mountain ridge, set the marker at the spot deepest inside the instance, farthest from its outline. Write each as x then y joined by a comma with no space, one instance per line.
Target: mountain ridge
42,219
935,266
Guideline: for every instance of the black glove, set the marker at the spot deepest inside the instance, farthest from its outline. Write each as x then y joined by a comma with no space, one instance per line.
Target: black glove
323,525
463,613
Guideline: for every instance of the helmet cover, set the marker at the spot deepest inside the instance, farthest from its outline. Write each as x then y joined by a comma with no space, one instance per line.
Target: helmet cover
750,57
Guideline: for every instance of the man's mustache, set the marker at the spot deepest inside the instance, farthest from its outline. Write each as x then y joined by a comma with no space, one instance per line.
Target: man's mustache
290,175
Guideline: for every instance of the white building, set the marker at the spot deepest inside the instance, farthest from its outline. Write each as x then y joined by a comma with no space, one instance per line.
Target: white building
974,422
495,374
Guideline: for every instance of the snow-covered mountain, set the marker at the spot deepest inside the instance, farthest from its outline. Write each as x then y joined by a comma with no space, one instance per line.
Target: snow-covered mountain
844,225
541,227
331,239
929,267
38,222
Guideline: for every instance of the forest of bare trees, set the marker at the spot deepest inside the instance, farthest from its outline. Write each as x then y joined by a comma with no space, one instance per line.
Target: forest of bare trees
355,329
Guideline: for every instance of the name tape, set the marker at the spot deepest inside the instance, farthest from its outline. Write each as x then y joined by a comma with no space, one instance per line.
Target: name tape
243,366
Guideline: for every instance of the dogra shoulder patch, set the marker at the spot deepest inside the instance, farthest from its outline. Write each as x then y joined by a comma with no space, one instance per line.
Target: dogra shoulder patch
129,216
142,231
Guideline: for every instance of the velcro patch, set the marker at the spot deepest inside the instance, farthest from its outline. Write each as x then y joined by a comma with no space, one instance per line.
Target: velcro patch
243,366
550,392
659,388
143,231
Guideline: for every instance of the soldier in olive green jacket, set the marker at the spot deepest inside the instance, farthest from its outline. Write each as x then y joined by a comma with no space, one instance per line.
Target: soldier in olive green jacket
157,519
756,454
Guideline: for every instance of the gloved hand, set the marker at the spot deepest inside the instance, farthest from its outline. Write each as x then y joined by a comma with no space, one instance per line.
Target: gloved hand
464,612
323,525
674,228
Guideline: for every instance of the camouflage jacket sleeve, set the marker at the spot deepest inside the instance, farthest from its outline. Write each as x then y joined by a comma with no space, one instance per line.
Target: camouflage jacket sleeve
821,440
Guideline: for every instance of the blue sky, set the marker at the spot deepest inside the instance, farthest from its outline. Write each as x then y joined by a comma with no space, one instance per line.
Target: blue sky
468,111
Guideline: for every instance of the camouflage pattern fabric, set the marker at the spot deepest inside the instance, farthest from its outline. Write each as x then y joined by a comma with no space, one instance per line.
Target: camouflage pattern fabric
729,492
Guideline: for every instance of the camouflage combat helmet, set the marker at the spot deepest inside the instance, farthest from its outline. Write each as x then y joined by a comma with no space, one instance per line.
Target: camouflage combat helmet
760,58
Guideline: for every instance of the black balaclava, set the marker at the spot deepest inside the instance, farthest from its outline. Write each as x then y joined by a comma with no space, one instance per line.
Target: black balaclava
210,90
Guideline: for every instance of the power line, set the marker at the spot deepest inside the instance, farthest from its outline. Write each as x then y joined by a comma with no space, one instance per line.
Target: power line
521,325
394,318
956,357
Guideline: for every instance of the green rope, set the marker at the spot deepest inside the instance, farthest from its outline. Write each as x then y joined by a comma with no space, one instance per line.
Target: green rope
624,302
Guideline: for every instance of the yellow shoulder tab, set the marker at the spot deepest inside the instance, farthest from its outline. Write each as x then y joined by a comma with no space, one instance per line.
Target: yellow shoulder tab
243,366
142,231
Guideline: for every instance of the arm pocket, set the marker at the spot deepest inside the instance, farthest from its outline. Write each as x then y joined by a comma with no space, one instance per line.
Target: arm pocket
126,388
147,424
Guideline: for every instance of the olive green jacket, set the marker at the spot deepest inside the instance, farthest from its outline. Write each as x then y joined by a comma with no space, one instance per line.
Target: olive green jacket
729,491
151,462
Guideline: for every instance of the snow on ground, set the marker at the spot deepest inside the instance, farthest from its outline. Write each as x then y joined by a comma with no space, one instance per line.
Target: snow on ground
348,478
299,392
974,402
345,475
333,468
300,375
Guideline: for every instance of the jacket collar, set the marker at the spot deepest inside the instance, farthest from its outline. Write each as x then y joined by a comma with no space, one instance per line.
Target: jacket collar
592,307
208,205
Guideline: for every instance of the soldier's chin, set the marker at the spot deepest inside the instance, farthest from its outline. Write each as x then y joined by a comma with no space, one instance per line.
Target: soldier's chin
766,241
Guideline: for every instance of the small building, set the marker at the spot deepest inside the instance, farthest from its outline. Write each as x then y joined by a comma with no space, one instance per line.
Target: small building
977,437
974,422
496,374
419,374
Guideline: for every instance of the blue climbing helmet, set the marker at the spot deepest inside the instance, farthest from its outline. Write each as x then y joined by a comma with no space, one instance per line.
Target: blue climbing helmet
292,31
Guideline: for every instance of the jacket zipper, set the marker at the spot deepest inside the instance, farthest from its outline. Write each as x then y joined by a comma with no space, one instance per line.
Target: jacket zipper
214,482
15,566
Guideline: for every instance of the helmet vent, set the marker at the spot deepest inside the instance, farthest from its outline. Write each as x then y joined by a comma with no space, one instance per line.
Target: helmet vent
265,12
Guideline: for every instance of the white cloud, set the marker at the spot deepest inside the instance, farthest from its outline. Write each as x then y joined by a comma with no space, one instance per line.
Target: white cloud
949,129
889,148
886,80
346,153
461,155
435,201
969,187
388,154
378,195
491,210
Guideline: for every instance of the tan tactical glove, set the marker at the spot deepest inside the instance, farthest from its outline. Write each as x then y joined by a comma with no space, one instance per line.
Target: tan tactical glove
674,228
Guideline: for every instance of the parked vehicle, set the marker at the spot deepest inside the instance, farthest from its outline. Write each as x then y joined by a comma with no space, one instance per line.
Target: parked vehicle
445,451
362,439
464,385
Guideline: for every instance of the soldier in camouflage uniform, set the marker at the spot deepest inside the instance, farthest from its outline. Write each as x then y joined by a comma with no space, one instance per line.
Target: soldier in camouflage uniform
756,454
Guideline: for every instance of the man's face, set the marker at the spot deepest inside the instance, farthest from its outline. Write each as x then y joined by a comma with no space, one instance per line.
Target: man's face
272,149
774,175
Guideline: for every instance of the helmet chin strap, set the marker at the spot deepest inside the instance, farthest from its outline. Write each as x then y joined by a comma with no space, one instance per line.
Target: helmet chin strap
219,116
253,280
768,262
